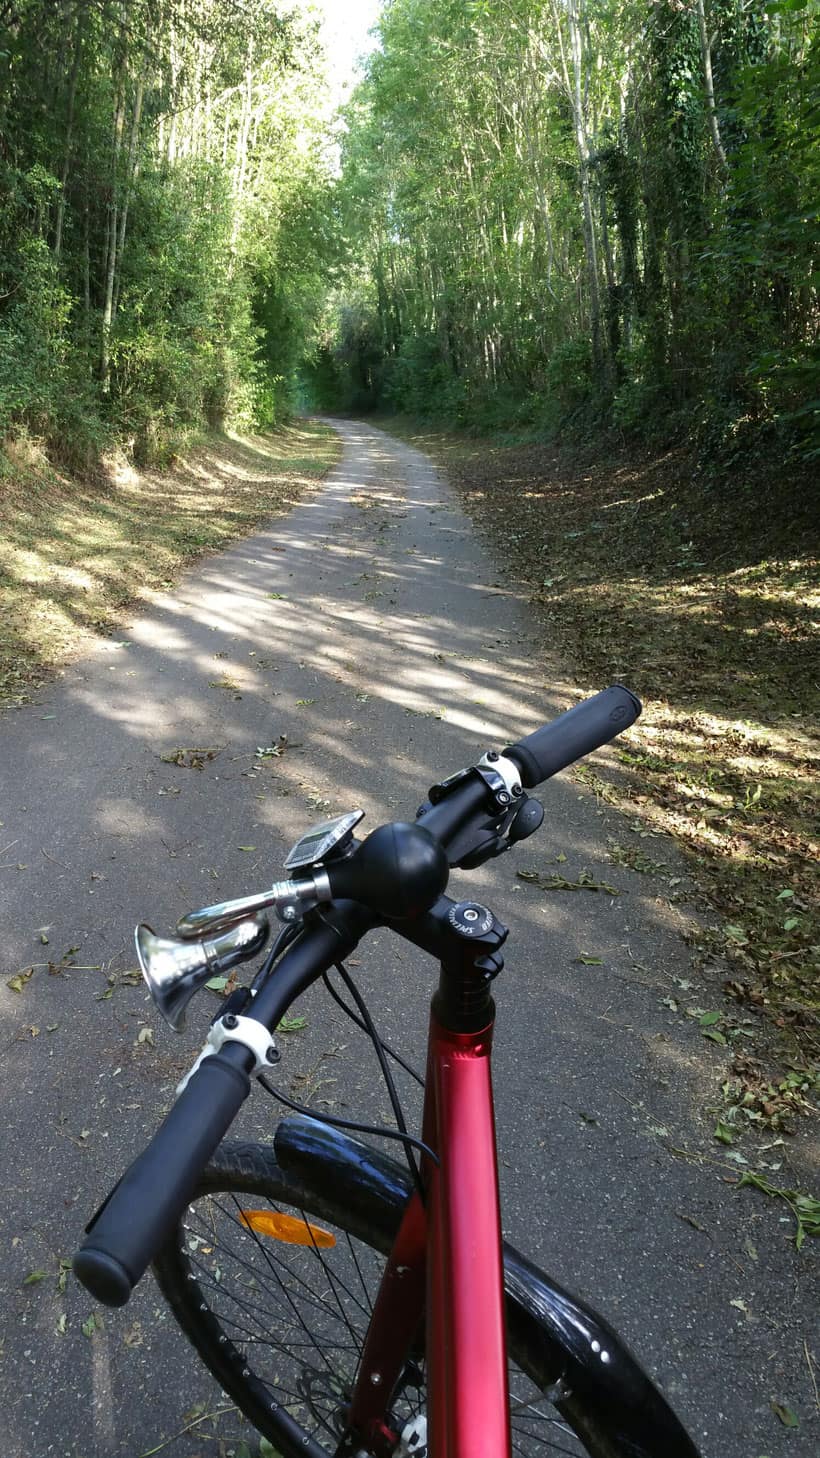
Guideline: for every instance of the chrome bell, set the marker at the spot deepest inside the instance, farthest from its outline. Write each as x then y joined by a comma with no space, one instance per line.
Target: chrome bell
175,970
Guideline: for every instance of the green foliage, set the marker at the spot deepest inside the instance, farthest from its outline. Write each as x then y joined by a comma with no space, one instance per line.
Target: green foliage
417,375
161,172
607,212
569,374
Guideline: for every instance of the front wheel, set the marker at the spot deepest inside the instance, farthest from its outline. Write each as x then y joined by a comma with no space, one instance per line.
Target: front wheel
273,1279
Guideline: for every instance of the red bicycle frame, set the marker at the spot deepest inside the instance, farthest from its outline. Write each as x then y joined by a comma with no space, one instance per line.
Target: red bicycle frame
446,1270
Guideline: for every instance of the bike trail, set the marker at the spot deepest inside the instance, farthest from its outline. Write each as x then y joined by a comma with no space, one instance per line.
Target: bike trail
372,641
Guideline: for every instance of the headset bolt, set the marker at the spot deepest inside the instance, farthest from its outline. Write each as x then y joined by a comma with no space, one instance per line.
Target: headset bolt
492,755
272,1055
229,1021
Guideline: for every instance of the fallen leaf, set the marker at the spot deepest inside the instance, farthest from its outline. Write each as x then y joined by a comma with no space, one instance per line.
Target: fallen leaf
133,1336
788,1418
18,982
146,1035
33,1277
191,758
690,1220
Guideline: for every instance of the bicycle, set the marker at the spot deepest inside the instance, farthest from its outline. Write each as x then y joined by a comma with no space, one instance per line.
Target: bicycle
403,1324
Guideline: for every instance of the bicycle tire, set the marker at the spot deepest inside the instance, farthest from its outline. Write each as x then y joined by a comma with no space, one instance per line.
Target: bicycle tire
193,1282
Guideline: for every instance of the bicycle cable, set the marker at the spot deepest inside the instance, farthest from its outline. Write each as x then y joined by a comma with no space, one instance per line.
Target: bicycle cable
364,1021
287,934
378,1048
336,1121
354,1018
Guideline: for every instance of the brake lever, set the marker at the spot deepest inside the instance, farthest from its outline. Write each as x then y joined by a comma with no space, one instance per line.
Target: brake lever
495,835
528,818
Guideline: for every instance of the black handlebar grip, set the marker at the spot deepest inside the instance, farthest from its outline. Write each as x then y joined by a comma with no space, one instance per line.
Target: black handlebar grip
574,734
141,1211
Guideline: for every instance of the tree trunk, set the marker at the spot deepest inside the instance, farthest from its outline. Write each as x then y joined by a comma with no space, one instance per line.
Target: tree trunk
87,253
130,178
575,87
706,59
69,130
241,154
111,251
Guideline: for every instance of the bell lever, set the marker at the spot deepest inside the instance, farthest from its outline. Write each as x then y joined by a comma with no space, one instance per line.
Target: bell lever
333,839
308,892
398,871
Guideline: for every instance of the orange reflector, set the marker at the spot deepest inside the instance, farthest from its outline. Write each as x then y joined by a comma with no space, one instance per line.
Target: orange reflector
287,1228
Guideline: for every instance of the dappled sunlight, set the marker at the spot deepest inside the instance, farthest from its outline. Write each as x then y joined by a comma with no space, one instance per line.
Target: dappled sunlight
114,816
704,600
333,661
74,555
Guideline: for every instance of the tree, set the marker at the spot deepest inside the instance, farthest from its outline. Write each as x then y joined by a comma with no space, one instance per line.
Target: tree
145,185
583,203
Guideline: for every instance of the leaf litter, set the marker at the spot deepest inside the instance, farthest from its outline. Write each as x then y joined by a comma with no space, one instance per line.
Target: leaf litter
585,882
191,757
656,577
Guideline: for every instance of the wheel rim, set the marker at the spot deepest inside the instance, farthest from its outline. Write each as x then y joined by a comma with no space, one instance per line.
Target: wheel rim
289,1323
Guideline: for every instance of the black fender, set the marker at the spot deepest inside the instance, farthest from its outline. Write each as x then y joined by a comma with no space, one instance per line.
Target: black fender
558,1339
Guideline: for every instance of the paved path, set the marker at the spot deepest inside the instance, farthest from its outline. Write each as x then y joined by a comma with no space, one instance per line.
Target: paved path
370,628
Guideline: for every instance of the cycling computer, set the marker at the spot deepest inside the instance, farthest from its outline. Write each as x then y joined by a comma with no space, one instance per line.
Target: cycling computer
317,843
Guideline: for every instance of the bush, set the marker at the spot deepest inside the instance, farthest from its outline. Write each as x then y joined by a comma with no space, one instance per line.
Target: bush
569,374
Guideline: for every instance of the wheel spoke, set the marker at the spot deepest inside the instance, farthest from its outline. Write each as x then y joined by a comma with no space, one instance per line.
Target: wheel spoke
297,1316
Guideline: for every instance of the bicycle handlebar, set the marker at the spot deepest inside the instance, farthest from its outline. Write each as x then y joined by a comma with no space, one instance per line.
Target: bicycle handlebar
130,1227
577,732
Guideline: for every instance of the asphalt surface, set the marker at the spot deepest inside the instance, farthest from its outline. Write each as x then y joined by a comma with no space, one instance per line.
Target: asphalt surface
371,628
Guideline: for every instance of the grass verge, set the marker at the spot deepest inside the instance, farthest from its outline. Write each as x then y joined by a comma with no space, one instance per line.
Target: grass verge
75,554
702,595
